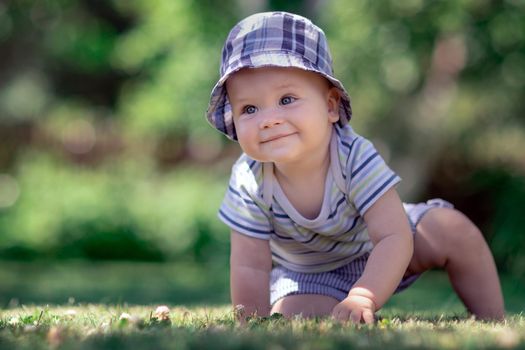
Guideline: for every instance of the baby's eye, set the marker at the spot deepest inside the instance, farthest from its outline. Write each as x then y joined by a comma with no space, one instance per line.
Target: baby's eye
287,100
250,109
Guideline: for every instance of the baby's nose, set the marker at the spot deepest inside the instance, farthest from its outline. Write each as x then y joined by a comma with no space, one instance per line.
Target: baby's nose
271,119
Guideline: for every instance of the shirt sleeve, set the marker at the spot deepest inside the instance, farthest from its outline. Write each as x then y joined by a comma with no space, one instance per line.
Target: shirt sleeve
242,208
369,176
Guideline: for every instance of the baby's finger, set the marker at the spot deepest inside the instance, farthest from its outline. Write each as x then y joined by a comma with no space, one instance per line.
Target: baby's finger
340,314
368,317
355,316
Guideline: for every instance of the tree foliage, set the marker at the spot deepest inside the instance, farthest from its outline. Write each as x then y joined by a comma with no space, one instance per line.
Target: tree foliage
87,84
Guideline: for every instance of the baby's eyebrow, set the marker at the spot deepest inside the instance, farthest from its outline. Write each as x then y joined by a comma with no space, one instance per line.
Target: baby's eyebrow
285,86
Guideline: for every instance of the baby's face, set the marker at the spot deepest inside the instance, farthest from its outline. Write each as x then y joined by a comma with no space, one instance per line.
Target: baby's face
282,115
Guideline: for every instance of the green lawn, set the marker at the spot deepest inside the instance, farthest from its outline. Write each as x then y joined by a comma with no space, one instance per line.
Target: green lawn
80,306
105,327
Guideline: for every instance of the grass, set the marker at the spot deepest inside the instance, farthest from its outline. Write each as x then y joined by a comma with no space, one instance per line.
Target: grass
104,327
84,306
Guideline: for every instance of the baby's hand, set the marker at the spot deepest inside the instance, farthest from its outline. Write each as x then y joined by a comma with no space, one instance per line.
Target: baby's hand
355,308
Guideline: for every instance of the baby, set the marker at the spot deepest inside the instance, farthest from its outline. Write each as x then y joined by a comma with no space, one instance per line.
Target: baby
317,226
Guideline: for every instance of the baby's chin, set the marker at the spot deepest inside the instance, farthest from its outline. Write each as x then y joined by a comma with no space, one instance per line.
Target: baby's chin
285,159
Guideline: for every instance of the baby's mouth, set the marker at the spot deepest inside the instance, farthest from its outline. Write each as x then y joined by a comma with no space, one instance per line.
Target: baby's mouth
276,137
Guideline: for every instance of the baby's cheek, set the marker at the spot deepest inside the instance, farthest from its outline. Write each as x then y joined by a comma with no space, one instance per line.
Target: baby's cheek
245,134
248,144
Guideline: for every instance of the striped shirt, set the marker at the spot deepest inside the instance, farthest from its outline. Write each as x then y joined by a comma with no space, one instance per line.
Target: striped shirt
358,177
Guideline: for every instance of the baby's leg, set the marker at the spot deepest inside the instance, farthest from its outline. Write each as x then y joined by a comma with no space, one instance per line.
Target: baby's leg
448,239
307,305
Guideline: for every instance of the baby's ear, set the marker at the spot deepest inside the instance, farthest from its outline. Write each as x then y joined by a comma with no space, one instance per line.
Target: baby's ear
333,97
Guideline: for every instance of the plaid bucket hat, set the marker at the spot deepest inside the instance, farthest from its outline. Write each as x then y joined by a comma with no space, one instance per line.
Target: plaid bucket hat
272,39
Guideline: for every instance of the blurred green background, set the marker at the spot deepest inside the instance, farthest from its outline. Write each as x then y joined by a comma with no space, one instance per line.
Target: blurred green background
106,156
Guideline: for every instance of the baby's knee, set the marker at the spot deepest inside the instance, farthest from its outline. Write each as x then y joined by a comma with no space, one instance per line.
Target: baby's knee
443,235
457,231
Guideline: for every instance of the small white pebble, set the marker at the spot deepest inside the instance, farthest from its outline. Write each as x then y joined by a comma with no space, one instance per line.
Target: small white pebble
162,313
162,309
30,328
125,316
70,313
13,321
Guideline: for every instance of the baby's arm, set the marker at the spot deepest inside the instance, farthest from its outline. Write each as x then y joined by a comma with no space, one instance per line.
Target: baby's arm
390,233
250,266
